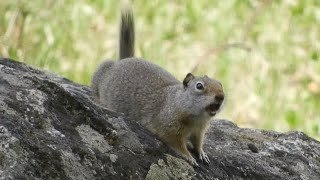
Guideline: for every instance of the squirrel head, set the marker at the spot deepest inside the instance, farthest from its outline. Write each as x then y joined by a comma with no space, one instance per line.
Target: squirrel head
205,95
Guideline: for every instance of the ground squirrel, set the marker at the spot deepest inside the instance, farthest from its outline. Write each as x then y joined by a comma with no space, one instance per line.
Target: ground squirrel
177,112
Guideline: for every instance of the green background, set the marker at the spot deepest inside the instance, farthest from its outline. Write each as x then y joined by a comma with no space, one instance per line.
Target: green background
265,53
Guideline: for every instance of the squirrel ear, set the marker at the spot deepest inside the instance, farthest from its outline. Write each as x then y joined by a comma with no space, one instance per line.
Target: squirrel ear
187,79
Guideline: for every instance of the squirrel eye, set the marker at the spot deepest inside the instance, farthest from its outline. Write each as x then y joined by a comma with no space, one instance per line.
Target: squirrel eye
199,86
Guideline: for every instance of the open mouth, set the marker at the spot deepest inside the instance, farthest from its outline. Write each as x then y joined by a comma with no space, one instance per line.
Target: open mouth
213,108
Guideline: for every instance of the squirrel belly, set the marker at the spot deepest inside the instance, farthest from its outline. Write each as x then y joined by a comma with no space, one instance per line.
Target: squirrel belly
177,112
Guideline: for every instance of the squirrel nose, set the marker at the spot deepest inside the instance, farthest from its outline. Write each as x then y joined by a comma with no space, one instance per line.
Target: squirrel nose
219,98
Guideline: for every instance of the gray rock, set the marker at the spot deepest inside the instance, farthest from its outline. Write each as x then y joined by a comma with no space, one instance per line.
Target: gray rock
51,129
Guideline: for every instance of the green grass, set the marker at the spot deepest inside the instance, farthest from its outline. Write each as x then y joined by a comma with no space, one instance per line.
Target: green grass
272,77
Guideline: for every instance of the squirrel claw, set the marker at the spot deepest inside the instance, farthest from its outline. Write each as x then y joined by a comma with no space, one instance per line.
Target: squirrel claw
204,157
194,162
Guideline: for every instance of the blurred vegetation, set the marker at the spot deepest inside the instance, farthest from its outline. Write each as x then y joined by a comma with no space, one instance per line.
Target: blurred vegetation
265,53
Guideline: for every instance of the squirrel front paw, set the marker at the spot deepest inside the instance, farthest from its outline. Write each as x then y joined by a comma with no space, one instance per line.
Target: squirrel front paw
204,157
192,161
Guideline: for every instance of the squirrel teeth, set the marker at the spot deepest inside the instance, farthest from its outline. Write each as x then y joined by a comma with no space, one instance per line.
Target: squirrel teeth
213,108
213,113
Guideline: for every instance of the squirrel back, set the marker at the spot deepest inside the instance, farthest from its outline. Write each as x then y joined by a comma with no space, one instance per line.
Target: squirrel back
176,111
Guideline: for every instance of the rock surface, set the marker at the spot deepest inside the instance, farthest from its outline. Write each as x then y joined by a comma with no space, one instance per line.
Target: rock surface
51,129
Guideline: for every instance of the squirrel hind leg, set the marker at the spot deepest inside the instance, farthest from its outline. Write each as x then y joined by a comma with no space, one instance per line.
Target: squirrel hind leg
98,77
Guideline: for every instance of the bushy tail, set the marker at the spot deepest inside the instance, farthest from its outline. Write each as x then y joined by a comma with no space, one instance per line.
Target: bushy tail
126,34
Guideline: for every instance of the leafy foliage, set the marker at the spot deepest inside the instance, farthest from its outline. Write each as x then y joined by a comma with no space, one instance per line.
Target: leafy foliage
265,53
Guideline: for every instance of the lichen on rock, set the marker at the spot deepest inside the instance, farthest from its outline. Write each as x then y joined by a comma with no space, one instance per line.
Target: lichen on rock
170,168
